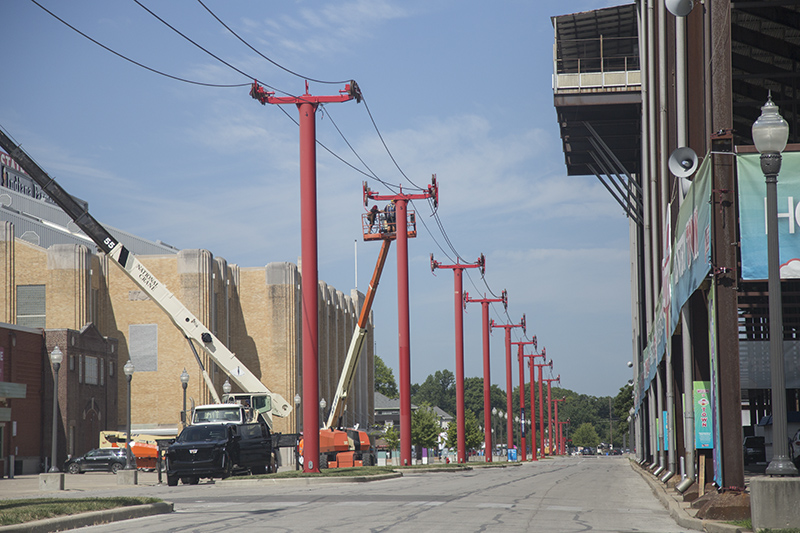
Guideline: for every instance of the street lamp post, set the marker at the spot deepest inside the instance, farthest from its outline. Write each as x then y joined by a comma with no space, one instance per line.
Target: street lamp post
322,405
184,384
55,357
129,369
770,133
494,430
226,387
297,430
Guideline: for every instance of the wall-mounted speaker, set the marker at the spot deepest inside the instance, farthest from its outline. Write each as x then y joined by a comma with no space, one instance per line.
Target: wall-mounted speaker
682,162
679,8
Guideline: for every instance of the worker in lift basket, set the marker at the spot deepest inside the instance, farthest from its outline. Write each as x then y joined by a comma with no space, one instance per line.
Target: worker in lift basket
372,217
390,216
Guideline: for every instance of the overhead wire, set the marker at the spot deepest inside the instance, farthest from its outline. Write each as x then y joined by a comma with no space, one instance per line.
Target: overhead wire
262,55
370,174
138,64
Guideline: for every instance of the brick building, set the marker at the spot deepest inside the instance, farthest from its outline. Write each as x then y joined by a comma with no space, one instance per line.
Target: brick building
54,279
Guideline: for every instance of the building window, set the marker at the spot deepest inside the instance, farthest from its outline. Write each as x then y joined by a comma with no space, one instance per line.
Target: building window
111,369
143,346
91,364
31,306
81,366
102,372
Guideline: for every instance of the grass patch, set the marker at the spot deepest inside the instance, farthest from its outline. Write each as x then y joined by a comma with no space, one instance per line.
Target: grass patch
790,530
746,523
21,511
326,472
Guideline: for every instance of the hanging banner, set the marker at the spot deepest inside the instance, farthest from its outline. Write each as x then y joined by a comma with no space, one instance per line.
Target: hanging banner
665,420
703,415
690,261
753,219
714,397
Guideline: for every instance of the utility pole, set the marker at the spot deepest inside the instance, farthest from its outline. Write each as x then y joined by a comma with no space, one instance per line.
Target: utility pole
509,406
487,402
521,360
541,397
559,443
403,323
531,359
550,412
458,287
307,106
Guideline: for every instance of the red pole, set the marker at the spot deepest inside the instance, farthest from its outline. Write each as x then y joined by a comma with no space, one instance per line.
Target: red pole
509,390
487,370
521,359
307,105
458,289
541,403
404,332
460,423
558,432
531,358
309,284
403,322
550,436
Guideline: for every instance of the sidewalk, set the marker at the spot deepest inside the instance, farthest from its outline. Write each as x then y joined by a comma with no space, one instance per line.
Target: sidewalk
680,511
27,486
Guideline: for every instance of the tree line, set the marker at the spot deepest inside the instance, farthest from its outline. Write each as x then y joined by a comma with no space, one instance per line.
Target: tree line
592,420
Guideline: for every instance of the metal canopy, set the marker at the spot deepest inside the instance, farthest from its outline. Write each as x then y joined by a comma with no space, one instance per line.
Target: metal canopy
765,48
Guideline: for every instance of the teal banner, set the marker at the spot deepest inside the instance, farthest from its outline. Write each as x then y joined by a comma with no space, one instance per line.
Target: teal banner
752,216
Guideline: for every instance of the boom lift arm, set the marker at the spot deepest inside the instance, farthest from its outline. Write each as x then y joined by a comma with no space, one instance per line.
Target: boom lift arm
190,326
357,342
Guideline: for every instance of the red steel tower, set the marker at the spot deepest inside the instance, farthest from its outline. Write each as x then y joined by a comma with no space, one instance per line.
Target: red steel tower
404,329
541,398
521,360
509,406
307,105
458,287
550,436
487,371
531,359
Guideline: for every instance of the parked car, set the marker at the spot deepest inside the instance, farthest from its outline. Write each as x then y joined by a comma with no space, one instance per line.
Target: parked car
754,450
587,451
97,460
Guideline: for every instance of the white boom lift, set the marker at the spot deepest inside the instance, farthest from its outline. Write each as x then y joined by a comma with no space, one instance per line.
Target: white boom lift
271,404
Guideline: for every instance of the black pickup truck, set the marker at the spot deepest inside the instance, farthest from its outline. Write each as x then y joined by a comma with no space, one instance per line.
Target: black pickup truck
219,450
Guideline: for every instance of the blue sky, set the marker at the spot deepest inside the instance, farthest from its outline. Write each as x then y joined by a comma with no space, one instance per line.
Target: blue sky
460,89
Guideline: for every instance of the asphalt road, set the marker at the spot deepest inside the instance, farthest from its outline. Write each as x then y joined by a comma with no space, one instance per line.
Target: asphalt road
573,494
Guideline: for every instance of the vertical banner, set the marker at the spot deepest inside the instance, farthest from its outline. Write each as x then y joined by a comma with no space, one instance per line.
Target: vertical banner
752,216
712,354
666,430
703,416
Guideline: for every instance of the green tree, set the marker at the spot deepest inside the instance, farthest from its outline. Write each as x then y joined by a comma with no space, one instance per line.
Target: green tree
439,389
425,427
473,436
392,437
384,379
585,435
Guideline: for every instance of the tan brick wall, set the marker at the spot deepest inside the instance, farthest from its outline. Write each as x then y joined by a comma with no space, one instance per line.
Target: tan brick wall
8,307
256,310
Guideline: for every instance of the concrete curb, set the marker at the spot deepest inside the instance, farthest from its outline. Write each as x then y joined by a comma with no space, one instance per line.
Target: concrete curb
306,480
61,523
678,513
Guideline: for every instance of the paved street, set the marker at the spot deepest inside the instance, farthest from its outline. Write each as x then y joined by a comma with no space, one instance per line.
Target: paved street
557,495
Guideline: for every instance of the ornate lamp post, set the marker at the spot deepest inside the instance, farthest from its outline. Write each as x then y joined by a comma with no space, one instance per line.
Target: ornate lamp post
55,357
129,369
184,384
322,405
770,133
226,387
